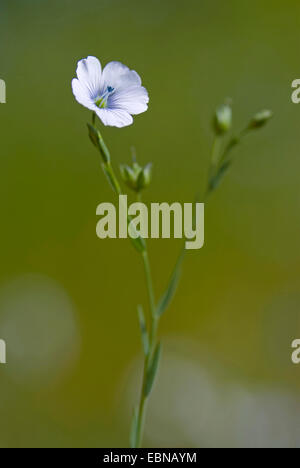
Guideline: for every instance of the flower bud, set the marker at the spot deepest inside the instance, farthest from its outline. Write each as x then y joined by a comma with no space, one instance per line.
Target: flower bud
129,176
223,119
260,119
145,176
136,177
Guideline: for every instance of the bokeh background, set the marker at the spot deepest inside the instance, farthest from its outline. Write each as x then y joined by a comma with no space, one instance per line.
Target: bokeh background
68,300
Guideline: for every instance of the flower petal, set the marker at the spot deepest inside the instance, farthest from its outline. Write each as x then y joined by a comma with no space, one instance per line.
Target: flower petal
117,75
114,117
133,100
82,94
89,73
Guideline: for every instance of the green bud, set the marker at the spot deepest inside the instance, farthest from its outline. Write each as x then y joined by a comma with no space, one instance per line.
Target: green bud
136,177
223,119
129,175
260,119
145,176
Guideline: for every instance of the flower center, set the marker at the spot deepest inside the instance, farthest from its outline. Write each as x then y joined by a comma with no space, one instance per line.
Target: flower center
101,101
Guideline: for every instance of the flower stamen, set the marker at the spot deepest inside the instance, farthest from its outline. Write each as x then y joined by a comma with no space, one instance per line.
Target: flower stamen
101,101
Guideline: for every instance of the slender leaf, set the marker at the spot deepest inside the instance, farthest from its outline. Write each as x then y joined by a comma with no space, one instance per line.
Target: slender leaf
144,333
168,295
152,370
97,140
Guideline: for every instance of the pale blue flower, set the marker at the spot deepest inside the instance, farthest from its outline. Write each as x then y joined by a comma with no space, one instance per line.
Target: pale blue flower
113,94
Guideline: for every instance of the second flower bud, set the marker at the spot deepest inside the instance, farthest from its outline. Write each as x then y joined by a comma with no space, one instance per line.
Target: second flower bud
136,177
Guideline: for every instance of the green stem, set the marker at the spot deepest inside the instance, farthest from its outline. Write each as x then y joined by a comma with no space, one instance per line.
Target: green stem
215,152
154,321
110,173
152,344
232,143
149,283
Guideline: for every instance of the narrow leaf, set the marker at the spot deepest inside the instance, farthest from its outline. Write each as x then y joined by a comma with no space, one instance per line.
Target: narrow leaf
152,370
93,134
133,429
144,333
97,140
168,295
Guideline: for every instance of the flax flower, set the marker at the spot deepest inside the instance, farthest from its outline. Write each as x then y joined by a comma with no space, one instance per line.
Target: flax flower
114,93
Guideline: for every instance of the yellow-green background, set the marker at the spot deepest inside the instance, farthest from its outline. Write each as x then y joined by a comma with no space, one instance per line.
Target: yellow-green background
68,300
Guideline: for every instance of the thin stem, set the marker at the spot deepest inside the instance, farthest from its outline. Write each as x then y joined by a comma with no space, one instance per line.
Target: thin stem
215,151
232,143
112,178
154,321
149,282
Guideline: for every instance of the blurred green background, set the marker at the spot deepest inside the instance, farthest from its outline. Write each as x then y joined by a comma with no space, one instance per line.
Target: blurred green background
68,300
